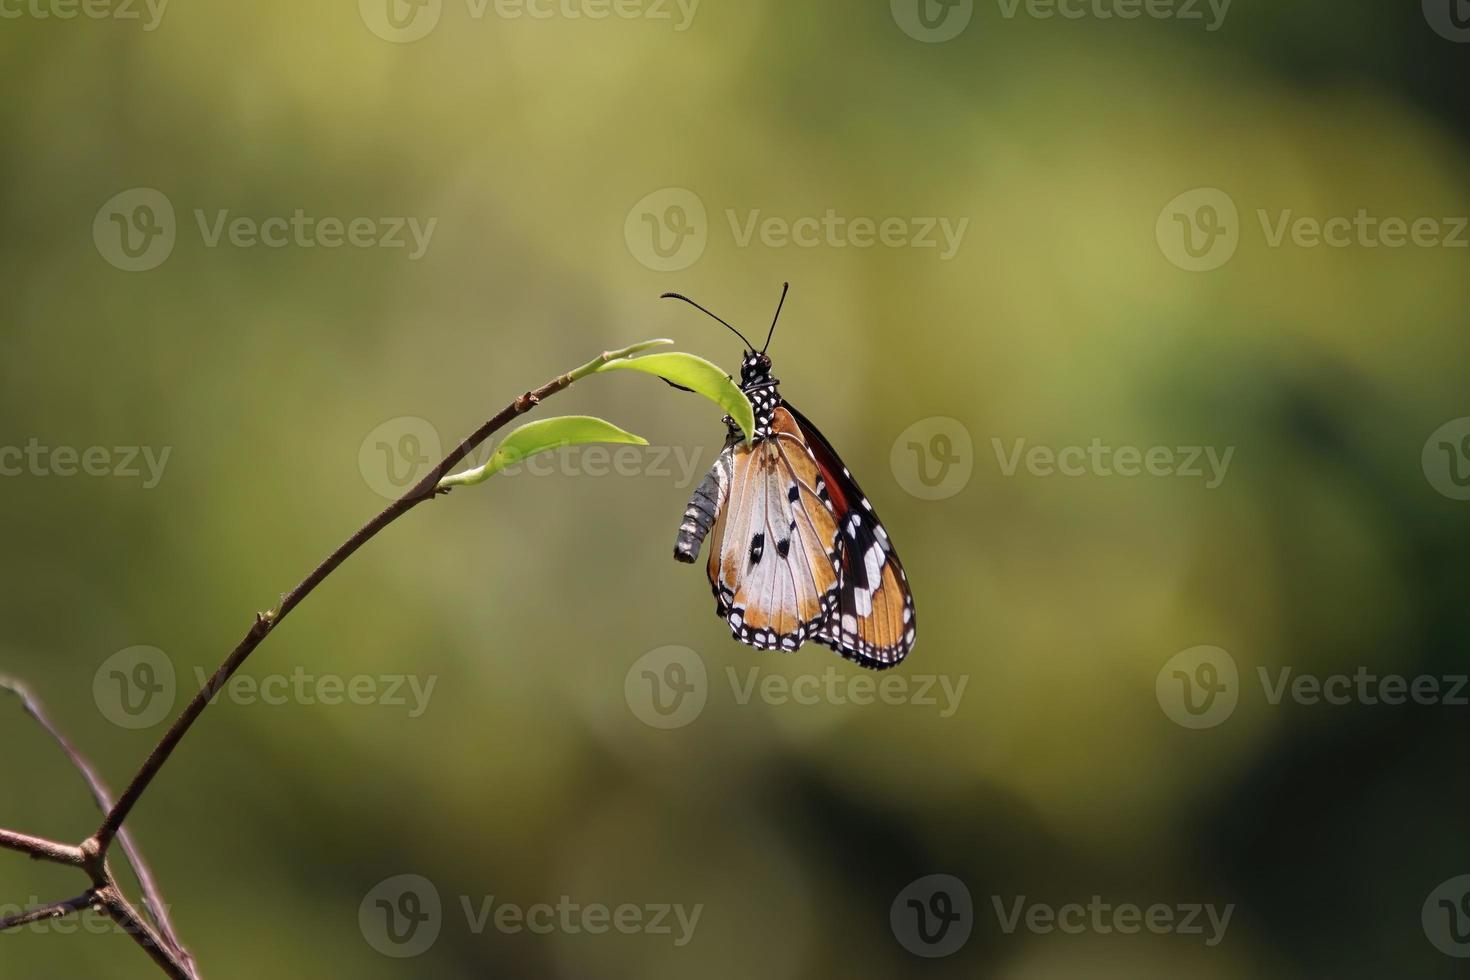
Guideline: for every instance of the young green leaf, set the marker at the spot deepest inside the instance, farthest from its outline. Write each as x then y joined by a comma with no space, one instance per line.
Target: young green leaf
542,436
696,374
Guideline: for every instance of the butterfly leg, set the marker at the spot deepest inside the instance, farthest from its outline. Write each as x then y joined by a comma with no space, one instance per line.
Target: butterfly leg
704,508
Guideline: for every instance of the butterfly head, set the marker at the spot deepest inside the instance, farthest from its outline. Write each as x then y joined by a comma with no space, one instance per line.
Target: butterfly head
755,366
755,370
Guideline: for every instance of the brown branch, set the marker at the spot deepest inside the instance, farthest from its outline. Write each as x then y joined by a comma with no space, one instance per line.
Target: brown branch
425,489
152,898
41,849
55,910
162,945
142,933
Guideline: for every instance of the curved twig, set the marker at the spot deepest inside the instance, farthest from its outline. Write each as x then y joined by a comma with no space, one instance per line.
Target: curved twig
91,856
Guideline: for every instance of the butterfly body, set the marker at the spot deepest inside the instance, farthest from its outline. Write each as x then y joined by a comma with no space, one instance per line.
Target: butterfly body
796,551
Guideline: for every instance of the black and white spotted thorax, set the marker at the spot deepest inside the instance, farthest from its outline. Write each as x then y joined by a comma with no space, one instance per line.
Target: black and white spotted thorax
763,391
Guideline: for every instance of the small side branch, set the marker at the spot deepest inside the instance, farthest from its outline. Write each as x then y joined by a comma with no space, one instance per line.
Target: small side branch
152,899
41,849
55,910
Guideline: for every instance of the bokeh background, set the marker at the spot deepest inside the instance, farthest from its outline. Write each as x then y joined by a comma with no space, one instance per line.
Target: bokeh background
287,384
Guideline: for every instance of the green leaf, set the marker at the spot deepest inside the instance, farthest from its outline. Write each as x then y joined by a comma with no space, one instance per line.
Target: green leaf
698,375
542,436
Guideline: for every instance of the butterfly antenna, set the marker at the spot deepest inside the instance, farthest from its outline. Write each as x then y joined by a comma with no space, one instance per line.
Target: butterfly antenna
785,288
681,296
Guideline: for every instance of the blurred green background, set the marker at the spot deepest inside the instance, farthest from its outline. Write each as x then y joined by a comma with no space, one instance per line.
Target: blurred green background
565,162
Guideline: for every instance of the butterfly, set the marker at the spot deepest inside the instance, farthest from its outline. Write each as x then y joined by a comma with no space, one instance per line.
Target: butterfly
796,551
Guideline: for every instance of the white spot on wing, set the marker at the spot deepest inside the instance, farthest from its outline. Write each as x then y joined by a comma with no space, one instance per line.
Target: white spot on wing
873,564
